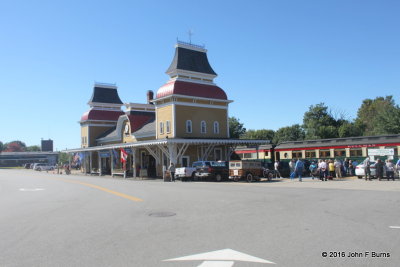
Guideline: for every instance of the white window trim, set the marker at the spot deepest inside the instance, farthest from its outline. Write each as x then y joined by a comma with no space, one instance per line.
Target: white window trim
168,127
201,127
161,127
191,126
216,129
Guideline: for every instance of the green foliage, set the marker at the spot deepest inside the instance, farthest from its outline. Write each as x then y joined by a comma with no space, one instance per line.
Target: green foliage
33,148
318,123
388,120
262,134
349,129
289,133
1,146
63,158
374,112
236,128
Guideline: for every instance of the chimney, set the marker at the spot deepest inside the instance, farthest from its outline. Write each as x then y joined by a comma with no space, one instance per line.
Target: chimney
150,96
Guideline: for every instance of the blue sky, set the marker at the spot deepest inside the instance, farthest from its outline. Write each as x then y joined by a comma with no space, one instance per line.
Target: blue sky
273,58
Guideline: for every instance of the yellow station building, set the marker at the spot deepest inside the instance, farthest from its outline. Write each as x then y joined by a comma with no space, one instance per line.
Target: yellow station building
186,121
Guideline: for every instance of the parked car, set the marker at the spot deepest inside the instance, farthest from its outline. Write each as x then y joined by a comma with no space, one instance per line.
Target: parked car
360,172
43,167
250,170
212,170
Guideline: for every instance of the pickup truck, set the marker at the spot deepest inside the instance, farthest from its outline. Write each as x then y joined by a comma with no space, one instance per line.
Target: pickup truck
214,170
185,173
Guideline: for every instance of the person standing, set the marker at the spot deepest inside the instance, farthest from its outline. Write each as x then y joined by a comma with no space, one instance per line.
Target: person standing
338,168
390,170
351,168
398,167
346,165
298,168
276,168
322,170
291,166
367,169
172,171
331,169
379,169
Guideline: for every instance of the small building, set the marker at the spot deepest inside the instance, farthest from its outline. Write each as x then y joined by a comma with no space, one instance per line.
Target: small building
17,159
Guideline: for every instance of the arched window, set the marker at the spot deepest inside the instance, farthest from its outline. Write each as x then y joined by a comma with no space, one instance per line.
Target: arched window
203,127
189,126
216,127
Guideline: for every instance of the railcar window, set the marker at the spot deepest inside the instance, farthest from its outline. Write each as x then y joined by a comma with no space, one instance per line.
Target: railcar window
310,154
297,154
355,152
340,153
324,153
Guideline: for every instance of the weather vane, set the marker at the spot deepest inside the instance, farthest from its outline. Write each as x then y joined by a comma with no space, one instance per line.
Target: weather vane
190,33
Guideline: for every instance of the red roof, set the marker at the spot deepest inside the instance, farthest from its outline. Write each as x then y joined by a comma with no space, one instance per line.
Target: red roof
138,121
101,115
191,89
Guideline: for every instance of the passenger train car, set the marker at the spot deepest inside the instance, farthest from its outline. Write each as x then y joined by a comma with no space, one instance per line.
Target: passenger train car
354,148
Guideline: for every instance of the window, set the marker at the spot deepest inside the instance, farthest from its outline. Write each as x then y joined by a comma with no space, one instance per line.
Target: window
297,154
310,154
189,126
340,153
168,126
216,127
203,127
324,153
161,127
357,152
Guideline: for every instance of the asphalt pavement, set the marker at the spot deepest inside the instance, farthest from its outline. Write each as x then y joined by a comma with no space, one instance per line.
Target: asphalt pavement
76,220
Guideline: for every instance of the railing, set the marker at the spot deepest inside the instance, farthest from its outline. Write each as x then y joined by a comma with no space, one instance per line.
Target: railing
190,44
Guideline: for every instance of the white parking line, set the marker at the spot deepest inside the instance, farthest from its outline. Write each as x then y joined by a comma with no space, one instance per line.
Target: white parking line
30,189
394,227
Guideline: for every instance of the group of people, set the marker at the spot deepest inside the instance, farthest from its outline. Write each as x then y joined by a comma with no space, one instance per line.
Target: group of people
327,169
380,167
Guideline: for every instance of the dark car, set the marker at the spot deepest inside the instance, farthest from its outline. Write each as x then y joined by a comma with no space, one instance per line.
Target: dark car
213,170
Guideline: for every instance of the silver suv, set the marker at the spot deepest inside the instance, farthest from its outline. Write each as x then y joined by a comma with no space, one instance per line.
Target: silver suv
43,167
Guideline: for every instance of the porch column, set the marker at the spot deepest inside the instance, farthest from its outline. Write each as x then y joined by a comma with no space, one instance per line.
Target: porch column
172,151
134,161
100,168
112,163
90,162
85,162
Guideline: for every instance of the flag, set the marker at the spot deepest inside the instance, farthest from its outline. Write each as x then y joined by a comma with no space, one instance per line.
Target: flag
124,155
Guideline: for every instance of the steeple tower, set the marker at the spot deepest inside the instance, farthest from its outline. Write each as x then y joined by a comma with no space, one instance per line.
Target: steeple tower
105,109
190,104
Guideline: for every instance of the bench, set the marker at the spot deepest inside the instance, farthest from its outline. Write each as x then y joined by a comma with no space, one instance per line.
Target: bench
121,172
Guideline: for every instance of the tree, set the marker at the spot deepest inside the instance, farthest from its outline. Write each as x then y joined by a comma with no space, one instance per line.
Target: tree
1,146
388,121
33,148
373,111
236,128
15,146
262,134
349,129
63,158
318,123
289,133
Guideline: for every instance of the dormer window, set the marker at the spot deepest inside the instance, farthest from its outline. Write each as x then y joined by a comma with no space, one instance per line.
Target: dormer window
203,127
189,126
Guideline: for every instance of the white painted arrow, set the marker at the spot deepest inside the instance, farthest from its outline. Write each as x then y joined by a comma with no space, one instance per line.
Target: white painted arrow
224,258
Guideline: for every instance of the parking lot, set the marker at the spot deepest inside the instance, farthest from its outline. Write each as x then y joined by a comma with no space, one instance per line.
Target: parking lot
75,220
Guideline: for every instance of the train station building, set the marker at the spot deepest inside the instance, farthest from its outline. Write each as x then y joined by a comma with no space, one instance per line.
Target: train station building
185,121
